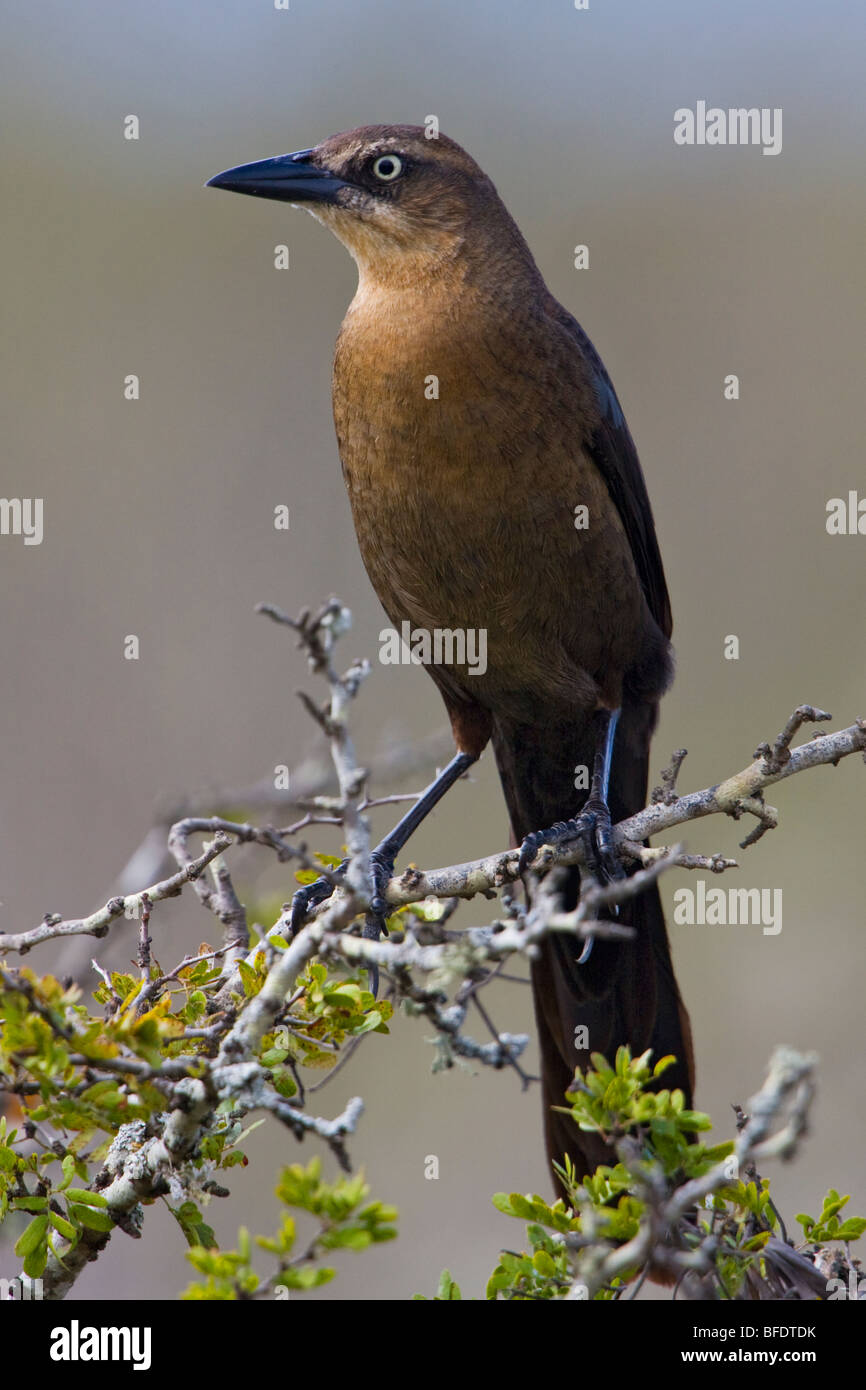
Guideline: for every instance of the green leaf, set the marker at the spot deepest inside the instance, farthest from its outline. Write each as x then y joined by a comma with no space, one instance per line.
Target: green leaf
34,1263
91,1218
249,979
308,1278
33,1236
31,1204
447,1290
372,1021
757,1242
521,1207
195,1229
65,1228
693,1120
544,1264
84,1195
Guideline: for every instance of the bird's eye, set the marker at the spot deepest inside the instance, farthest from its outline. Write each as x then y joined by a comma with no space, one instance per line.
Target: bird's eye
387,167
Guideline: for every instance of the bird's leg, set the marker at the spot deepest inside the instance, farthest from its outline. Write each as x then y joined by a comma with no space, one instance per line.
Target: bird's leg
596,834
382,859
593,825
383,856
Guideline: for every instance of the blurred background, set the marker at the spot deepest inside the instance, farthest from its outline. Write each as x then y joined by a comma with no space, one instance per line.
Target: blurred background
158,513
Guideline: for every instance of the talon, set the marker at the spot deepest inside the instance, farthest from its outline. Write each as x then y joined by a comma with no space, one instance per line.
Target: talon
528,850
374,926
381,869
593,828
602,858
310,896
556,835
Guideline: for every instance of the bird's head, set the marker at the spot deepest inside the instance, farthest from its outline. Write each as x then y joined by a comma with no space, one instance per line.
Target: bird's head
400,202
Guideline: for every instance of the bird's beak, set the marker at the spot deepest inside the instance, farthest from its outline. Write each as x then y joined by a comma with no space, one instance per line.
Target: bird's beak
290,177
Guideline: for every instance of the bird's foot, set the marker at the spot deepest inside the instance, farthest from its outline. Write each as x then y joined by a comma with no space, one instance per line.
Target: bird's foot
593,829
310,896
381,869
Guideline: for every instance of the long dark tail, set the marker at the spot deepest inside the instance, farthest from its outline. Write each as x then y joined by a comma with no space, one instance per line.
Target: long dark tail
626,993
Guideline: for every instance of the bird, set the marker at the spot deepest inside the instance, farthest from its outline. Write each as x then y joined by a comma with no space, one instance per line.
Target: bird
495,486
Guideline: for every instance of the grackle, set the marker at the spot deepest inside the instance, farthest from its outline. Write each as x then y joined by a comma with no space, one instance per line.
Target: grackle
495,486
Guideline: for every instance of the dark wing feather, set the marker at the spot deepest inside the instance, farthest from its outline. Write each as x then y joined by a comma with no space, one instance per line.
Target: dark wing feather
612,450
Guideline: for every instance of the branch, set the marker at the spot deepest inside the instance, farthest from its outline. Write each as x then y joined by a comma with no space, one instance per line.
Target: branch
97,923
735,796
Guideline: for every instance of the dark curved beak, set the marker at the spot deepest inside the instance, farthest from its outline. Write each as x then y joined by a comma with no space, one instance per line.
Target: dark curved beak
290,177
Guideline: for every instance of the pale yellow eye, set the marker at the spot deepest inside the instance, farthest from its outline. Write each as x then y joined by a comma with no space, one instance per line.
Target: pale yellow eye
388,167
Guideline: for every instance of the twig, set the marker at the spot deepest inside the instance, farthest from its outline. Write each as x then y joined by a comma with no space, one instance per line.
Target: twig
730,797
667,792
97,923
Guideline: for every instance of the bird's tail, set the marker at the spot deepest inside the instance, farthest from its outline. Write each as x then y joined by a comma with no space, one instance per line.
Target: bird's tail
626,993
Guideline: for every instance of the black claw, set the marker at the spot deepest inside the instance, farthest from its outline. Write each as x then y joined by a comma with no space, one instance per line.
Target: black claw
593,828
598,845
305,898
374,926
310,896
528,850
381,869
556,835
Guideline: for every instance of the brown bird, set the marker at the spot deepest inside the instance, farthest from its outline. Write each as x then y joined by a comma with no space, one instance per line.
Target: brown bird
475,422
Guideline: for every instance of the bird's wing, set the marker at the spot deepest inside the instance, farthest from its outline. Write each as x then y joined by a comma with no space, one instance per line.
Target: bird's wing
612,449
